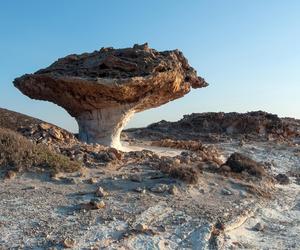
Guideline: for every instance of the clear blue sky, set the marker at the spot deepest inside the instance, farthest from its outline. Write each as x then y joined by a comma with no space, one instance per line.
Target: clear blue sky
249,51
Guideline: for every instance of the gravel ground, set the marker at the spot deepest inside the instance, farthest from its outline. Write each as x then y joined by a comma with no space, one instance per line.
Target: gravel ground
146,210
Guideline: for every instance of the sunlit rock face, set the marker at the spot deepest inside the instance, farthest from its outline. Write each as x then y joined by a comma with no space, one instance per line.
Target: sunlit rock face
103,89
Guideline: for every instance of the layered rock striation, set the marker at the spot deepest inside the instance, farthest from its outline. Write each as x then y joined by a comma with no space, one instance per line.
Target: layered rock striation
103,89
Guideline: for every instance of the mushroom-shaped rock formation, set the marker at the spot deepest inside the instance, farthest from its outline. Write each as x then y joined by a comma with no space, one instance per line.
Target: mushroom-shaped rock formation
103,89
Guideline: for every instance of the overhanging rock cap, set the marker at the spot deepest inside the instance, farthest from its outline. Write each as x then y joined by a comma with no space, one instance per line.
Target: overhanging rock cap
139,76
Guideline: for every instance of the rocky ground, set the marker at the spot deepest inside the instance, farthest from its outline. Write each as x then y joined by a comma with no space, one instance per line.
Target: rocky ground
176,194
217,127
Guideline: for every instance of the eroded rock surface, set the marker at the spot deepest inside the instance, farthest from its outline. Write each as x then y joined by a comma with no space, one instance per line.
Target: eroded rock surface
214,127
104,88
135,199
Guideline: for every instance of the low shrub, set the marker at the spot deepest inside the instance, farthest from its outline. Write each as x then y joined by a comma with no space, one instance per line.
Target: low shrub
20,154
174,169
239,163
185,173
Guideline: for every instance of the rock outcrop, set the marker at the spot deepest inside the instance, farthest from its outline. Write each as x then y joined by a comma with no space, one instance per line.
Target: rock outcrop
103,89
209,127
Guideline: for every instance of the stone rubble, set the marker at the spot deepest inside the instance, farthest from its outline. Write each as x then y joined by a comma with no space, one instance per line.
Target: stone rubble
69,243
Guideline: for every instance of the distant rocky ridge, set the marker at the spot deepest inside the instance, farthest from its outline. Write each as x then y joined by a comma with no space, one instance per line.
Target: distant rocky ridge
256,125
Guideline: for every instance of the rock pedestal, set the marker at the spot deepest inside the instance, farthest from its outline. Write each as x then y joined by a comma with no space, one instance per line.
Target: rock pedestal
103,89
104,126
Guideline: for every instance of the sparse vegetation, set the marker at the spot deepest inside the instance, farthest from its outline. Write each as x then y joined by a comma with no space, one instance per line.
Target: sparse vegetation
20,154
13,120
187,174
239,163
174,169
204,152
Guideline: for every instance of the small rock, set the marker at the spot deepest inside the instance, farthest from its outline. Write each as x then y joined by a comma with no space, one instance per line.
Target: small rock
226,191
29,188
55,176
140,190
141,228
160,188
112,156
44,126
259,227
243,194
102,156
92,180
225,168
72,180
202,190
55,133
173,190
124,177
136,178
10,175
94,248
79,157
100,192
97,204
282,179
176,162
185,160
161,228
219,225
69,243
138,154
117,153
237,244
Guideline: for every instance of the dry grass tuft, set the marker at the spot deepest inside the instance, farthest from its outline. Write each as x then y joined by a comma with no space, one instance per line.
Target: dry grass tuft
19,154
